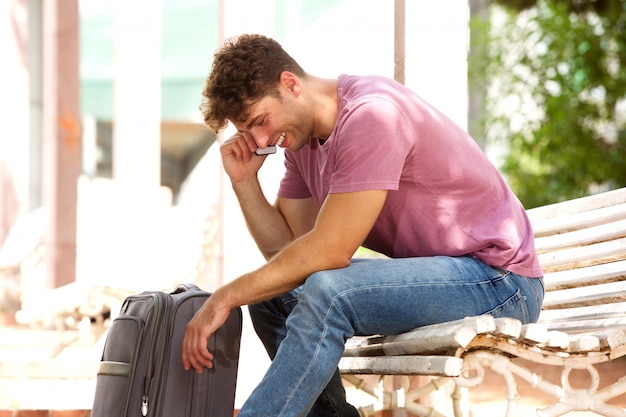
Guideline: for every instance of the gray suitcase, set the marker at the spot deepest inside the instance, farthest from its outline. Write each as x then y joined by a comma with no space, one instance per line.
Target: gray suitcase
141,372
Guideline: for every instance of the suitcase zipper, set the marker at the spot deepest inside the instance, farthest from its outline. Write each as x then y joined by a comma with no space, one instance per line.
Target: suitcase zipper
125,311
154,352
157,356
144,406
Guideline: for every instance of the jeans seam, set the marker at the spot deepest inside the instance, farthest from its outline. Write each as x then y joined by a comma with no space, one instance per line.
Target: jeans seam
517,297
310,364
331,307
538,298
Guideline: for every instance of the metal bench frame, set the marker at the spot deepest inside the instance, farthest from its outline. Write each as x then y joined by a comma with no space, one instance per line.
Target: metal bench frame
582,248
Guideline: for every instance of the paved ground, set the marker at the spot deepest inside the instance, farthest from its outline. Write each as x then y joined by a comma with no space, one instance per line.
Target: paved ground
46,369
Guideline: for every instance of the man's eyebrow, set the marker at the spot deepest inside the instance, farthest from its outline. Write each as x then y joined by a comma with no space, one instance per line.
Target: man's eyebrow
252,121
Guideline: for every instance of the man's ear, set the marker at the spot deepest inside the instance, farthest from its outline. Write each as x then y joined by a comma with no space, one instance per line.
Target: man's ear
291,83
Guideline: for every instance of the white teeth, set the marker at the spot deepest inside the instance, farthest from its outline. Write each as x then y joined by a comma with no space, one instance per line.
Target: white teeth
281,139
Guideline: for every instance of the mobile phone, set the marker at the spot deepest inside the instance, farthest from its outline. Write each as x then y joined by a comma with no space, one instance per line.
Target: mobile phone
266,151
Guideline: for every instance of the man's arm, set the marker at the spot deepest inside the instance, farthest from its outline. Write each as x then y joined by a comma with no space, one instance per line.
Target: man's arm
274,227
344,221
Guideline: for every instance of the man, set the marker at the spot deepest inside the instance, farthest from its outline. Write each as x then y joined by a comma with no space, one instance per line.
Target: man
368,163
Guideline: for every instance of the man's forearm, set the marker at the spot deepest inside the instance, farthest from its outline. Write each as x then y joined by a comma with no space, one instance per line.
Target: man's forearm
267,226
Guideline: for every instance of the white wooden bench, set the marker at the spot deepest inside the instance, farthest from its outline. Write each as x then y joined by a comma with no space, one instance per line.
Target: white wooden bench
582,248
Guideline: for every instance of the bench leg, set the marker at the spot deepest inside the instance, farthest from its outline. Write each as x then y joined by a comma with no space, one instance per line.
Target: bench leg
403,398
569,399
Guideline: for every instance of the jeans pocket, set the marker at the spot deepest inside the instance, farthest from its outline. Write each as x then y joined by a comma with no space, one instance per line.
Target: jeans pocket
514,307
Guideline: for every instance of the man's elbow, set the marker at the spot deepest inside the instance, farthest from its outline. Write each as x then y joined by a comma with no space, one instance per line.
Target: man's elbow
338,260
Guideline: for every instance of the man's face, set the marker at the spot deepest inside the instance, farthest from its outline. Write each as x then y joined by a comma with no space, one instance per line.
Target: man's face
278,121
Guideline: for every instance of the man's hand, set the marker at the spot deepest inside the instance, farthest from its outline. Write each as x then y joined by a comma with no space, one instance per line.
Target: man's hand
204,323
240,161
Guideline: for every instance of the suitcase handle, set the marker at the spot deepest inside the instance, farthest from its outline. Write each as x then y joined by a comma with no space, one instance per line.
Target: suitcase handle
184,287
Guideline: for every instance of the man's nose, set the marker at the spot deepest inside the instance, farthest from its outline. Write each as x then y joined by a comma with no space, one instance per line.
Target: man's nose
262,140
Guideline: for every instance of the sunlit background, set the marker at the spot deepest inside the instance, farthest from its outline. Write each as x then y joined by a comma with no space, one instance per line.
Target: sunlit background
109,182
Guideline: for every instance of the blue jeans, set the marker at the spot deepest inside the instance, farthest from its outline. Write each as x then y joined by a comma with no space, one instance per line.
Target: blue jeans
304,331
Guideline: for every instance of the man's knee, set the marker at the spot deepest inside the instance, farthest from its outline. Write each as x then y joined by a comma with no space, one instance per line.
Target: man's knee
323,285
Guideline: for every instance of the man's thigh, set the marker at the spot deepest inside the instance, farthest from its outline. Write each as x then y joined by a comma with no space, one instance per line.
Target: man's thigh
395,295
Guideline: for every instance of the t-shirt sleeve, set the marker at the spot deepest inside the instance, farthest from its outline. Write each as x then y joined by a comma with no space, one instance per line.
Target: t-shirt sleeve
293,185
373,143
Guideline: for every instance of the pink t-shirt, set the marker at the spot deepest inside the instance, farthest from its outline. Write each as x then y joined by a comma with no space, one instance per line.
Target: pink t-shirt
445,197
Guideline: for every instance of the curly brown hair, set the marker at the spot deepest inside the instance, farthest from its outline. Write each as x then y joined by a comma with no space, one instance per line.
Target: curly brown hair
245,70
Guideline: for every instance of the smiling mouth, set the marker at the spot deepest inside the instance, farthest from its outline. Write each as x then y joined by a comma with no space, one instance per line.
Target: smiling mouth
281,139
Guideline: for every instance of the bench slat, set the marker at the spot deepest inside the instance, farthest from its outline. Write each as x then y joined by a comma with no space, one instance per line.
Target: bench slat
596,234
597,253
585,319
508,327
402,365
558,340
570,223
592,202
417,341
583,276
586,296
534,333
604,321
427,339
585,343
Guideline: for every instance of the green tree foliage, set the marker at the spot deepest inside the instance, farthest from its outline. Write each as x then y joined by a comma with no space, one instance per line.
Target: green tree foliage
557,76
